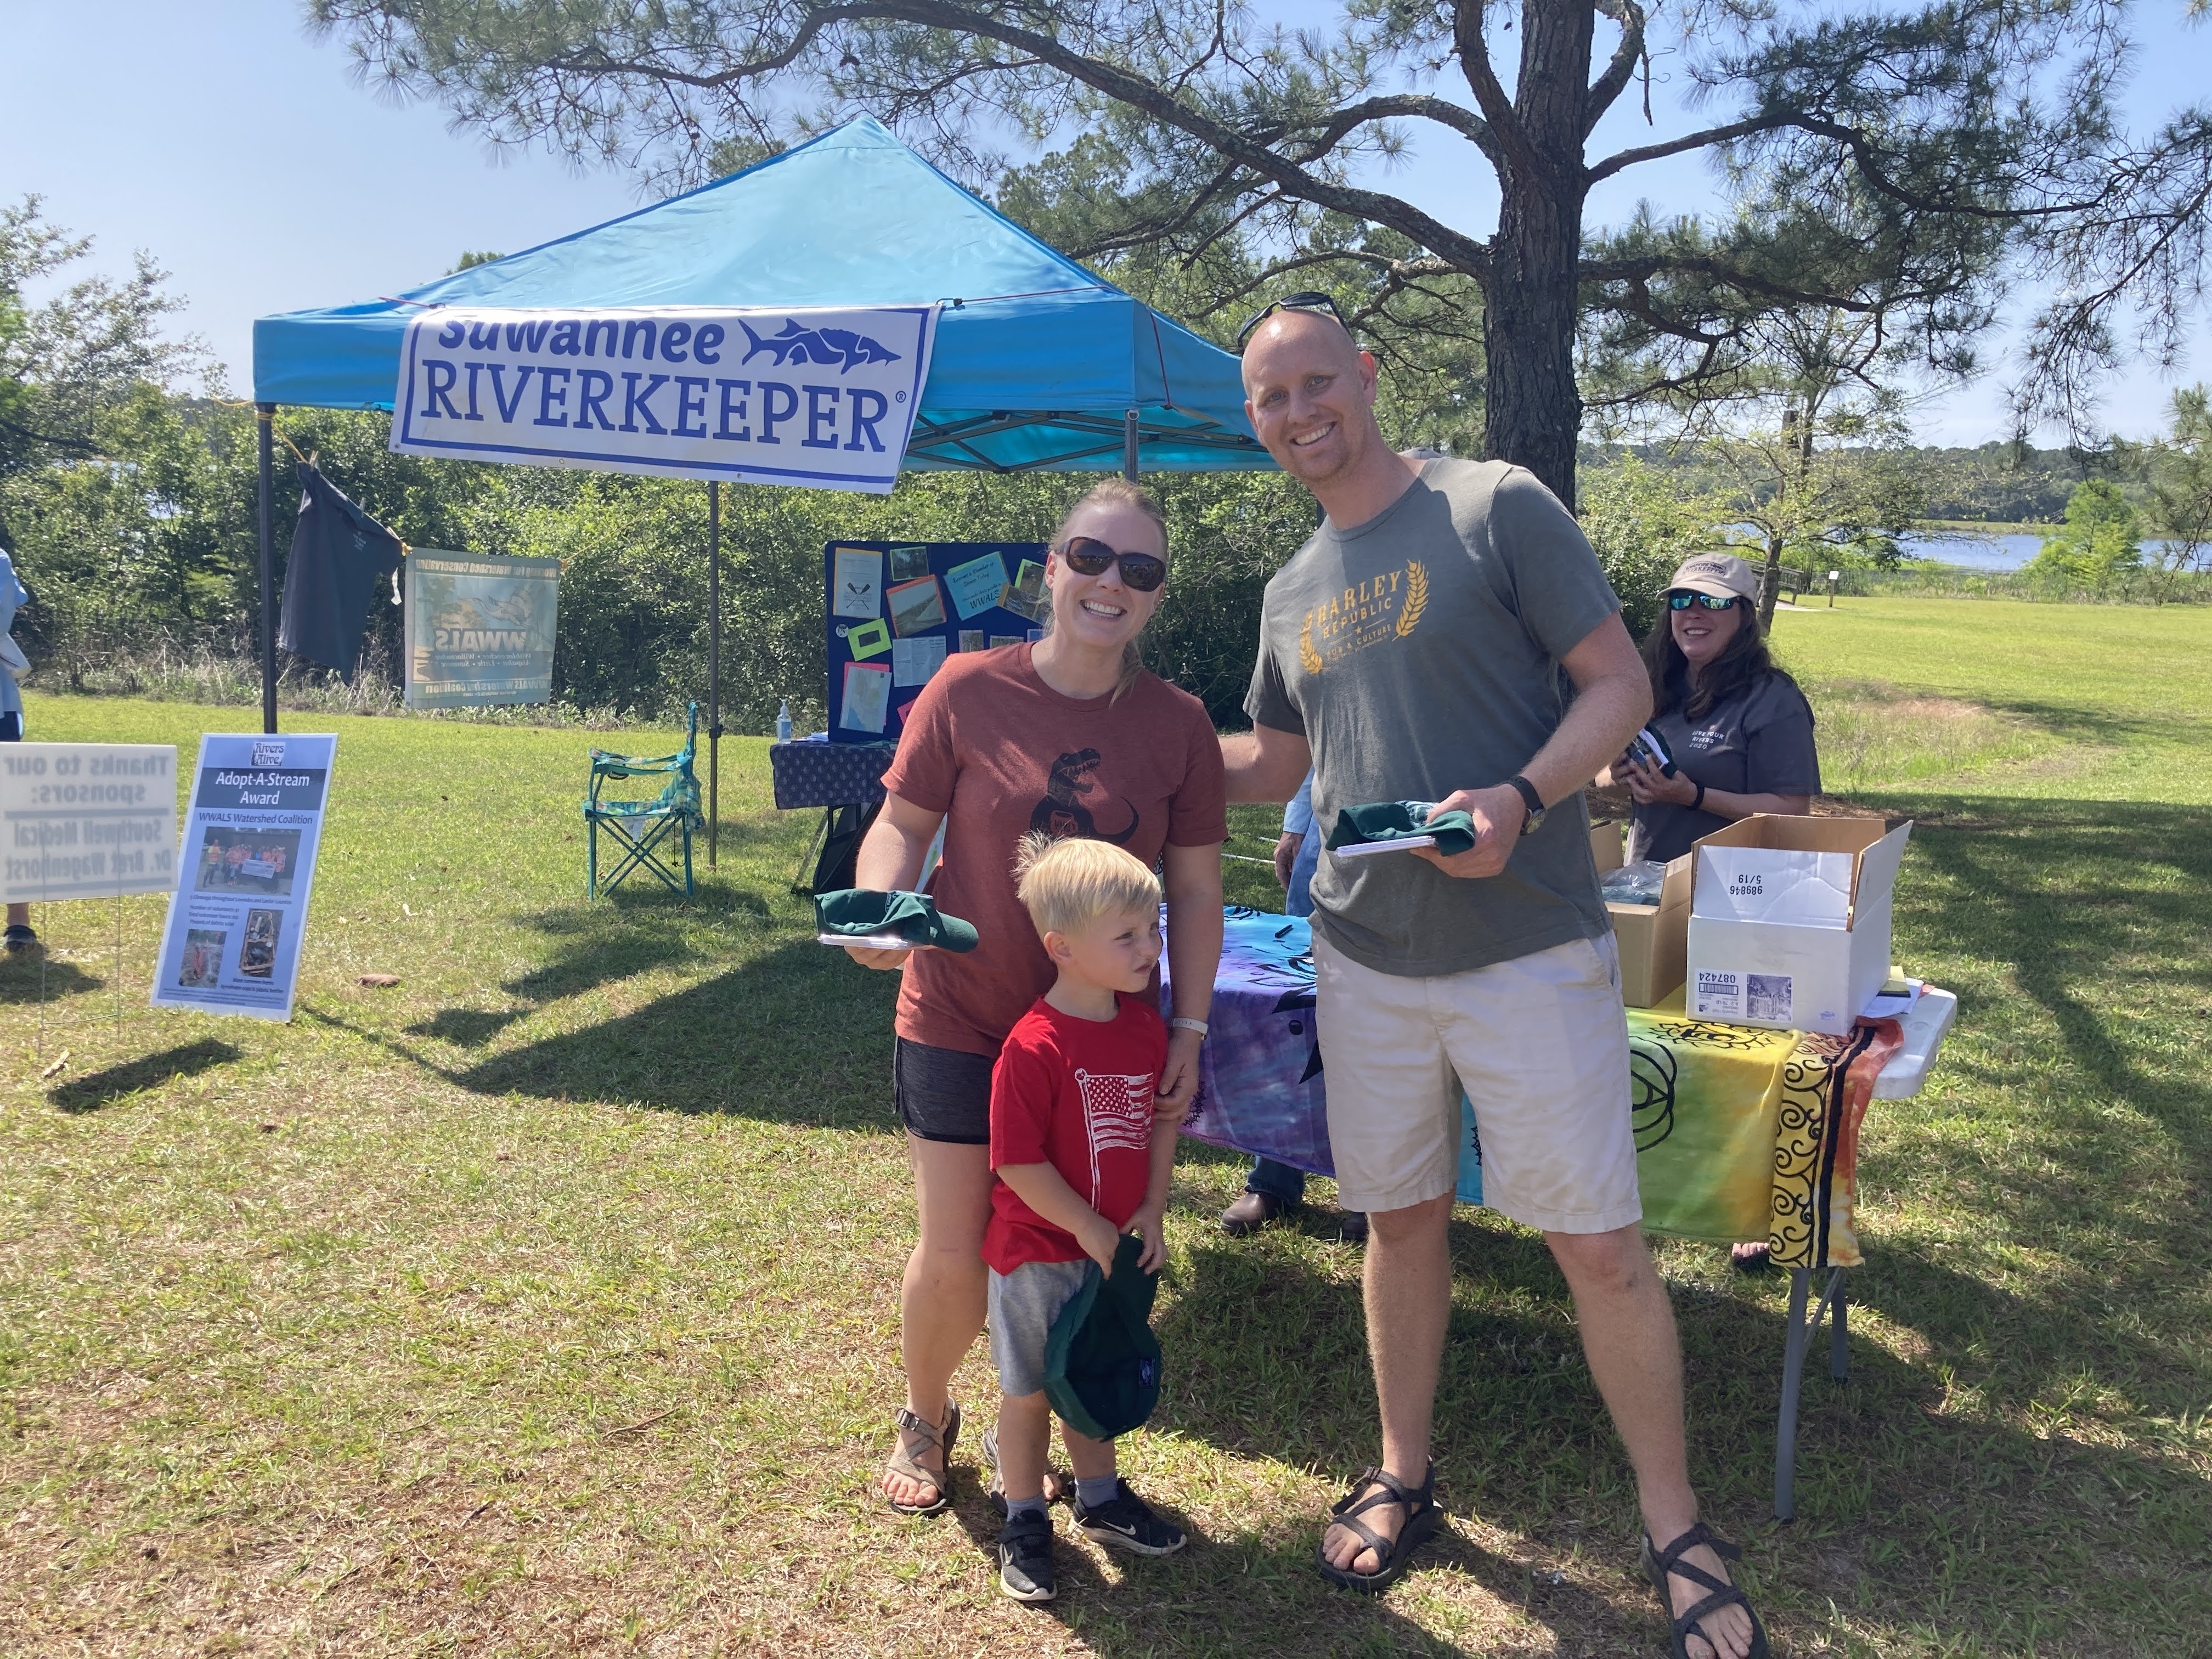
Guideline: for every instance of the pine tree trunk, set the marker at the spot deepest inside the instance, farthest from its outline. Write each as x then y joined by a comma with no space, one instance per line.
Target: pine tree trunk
1533,413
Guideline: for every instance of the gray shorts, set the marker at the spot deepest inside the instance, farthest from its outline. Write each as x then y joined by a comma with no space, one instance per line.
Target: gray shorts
1023,1304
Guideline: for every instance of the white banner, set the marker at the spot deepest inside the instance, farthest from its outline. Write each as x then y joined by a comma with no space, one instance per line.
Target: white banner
87,820
817,398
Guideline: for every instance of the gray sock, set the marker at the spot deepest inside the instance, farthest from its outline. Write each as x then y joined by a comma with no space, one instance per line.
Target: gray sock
1025,1506
1097,1493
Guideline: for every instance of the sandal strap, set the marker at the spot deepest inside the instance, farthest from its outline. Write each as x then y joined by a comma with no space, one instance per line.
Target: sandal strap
1699,1533
911,1422
1394,1491
1693,1619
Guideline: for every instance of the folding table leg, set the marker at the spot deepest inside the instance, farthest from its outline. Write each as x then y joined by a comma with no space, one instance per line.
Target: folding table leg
1840,1347
800,879
1793,1374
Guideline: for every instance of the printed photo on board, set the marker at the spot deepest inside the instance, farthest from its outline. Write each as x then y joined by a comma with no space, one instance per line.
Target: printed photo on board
909,562
916,607
201,962
257,958
247,860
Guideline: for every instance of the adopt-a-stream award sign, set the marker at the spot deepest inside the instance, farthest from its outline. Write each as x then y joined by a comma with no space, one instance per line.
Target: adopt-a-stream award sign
479,630
240,907
87,820
821,397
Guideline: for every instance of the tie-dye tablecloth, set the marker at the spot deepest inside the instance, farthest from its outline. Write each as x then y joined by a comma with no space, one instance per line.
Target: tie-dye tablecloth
1740,1134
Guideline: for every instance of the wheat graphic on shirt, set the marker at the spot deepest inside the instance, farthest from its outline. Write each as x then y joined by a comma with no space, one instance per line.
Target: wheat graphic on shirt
1117,1112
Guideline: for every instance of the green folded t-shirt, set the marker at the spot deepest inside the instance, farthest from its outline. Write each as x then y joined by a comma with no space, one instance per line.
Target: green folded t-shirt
859,912
1396,820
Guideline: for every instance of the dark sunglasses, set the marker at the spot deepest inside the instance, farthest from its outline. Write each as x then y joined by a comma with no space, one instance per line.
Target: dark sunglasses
1310,300
1711,601
1086,556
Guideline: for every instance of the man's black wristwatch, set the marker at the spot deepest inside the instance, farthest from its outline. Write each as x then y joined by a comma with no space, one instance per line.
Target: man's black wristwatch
1530,799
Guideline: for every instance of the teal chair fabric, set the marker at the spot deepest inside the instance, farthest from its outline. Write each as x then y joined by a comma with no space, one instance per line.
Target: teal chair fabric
646,830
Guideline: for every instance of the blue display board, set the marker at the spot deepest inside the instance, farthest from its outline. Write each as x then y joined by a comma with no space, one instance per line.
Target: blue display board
897,610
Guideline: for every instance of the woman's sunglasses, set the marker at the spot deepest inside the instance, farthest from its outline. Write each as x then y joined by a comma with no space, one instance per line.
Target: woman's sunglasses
1711,601
1086,556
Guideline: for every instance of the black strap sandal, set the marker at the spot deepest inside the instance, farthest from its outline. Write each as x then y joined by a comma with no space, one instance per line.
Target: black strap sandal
1392,1555
930,1438
1661,1565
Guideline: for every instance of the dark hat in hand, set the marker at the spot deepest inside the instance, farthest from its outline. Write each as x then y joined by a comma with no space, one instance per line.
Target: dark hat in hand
1102,1362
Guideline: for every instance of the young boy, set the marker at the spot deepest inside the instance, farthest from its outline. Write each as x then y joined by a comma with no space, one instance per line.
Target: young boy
1082,1151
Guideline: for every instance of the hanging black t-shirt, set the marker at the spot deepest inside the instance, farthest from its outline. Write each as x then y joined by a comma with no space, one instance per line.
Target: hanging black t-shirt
1759,742
340,555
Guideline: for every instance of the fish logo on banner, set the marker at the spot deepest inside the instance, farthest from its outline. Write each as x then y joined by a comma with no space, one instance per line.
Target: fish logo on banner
829,405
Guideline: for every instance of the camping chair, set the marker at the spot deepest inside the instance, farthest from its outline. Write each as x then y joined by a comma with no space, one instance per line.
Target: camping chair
641,827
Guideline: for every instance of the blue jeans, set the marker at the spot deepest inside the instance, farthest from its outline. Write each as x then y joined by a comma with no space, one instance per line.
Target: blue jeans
1267,1176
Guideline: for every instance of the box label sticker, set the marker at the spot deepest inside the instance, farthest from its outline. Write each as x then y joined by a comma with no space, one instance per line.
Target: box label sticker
1766,996
1717,996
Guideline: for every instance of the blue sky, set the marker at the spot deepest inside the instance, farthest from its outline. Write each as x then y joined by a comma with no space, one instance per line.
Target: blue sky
243,154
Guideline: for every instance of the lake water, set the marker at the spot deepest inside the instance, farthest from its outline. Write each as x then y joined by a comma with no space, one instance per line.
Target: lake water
1989,552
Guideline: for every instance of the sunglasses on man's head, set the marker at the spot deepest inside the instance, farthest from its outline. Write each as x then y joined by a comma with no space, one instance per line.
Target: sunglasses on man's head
1087,555
1310,299
1711,601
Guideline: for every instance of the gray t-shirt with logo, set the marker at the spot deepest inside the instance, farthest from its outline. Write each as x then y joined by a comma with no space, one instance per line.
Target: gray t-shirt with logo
1419,653
1759,742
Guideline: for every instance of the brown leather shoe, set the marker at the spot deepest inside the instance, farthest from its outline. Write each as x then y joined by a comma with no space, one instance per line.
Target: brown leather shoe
1251,1213
1353,1230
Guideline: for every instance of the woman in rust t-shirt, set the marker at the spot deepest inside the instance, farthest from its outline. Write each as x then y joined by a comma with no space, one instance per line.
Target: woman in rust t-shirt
1068,735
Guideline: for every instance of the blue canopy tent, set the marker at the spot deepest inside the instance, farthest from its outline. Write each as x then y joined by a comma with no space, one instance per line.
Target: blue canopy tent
1038,364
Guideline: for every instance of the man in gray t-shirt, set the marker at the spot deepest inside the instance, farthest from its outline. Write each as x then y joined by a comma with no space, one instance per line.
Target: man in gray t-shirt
1420,647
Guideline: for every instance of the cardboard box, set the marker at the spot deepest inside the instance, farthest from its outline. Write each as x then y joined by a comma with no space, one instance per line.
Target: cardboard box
1790,920
1653,940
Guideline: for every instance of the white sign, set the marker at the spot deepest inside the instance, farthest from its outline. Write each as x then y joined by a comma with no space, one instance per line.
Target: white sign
231,944
87,820
818,398
479,630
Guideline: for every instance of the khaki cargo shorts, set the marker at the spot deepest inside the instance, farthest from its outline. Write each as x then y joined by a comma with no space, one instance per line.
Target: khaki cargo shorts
1540,1045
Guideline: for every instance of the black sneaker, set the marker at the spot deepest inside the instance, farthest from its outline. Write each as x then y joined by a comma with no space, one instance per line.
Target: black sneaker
1128,1523
1025,1557
21,942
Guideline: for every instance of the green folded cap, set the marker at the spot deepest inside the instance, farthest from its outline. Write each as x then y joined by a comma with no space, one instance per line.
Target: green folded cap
1394,820
1102,1362
859,912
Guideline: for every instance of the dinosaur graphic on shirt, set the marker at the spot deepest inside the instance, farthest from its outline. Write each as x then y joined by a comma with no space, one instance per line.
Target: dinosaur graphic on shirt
1062,812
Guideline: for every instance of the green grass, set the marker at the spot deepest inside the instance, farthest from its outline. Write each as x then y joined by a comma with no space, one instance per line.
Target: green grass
547,1303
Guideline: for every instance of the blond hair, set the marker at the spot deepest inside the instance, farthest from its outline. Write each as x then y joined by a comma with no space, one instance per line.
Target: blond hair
1068,885
1120,492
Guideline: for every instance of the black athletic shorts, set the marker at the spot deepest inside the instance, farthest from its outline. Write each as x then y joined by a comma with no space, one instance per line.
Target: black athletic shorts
11,728
943,1094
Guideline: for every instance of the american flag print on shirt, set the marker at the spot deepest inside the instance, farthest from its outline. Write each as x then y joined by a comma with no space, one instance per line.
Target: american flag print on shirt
1117,1112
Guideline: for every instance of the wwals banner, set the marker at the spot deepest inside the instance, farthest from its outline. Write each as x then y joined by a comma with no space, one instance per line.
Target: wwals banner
479,630
822,399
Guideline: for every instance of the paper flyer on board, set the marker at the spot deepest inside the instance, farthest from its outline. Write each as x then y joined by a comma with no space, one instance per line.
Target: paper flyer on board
236,917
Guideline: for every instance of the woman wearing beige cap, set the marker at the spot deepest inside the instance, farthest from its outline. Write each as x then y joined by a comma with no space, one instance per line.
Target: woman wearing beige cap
1736,728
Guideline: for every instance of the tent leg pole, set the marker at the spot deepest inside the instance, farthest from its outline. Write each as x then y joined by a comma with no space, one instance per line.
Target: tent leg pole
713,668
1129,445
264,422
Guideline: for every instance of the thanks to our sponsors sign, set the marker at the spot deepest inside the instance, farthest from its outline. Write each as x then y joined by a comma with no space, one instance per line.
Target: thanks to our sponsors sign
87,820
822,398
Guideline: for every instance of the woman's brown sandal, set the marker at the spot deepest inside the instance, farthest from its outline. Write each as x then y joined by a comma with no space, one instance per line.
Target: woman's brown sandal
929,1438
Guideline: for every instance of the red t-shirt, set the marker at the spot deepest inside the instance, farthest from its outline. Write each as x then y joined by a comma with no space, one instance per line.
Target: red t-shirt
1077,1094
1000,753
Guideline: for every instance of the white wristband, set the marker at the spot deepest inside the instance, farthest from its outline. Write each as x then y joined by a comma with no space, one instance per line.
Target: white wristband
1197,1026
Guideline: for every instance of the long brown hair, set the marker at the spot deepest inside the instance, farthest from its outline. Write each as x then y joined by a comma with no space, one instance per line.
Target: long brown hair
1743,662
1119,492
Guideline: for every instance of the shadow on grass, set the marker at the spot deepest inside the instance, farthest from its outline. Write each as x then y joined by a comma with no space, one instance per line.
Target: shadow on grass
99,1089
797,1035
44,980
